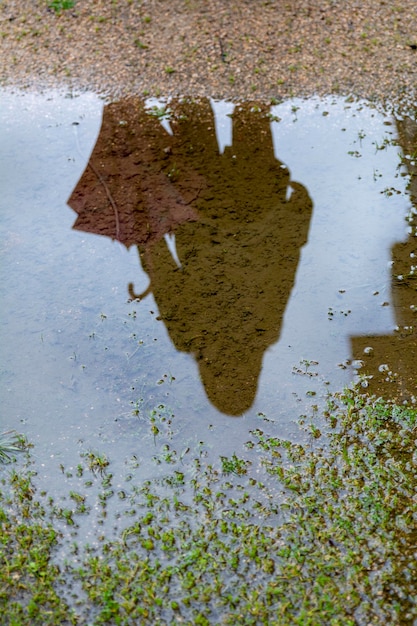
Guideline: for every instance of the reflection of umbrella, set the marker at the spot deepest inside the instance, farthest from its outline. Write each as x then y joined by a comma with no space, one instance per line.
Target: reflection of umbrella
126,193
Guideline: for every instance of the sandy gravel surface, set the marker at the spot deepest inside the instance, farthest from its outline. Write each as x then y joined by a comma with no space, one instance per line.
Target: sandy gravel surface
255,49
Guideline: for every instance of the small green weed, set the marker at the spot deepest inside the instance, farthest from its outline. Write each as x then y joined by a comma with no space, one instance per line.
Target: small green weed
233,465
139,44
61,5
328,538
10,442
97,463
160,113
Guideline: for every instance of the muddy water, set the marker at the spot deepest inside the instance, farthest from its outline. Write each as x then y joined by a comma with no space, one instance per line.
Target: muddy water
176,273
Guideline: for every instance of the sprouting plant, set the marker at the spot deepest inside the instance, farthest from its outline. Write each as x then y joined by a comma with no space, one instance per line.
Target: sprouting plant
10,442
306,363
136,407
159,112
381,146
168,455
316,432
233,465
406,159
154,428
174,173
273,118
390,191
361,135
97,463
363,379
139,44
61,5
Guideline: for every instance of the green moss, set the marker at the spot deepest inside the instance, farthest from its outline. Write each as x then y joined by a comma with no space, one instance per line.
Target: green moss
328,538
61,5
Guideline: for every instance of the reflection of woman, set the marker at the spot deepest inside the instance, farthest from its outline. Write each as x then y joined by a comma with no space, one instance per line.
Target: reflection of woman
239,224
225,302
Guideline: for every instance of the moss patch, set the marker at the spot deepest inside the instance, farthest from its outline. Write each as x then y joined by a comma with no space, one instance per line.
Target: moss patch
327,537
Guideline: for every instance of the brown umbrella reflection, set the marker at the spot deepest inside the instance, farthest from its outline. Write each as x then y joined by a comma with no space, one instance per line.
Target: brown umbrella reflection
392,362
239,225
126,191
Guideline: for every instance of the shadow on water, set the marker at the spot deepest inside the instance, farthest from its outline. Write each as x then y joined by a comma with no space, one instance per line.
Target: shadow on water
390,360
219,234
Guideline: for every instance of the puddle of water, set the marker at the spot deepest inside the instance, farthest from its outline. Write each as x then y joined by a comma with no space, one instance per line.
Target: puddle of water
210,267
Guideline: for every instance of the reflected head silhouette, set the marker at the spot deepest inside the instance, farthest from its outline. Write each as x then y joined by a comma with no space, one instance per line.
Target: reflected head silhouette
238,223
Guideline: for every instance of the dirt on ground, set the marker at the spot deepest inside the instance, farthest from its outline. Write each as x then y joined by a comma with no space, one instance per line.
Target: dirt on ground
246,49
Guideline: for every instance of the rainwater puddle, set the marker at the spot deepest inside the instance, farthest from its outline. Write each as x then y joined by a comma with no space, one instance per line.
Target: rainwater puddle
184,272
